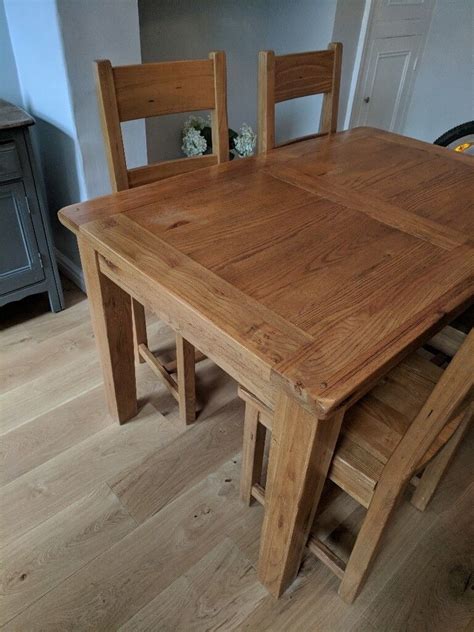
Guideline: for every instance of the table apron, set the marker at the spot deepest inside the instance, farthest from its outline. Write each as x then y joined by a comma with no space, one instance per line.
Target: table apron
246,368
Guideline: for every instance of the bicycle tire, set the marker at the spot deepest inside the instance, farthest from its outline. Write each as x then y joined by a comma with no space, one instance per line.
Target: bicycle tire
455,133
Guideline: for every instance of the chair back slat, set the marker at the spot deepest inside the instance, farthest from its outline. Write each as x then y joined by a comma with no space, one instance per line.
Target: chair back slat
145,90
303,74
285,77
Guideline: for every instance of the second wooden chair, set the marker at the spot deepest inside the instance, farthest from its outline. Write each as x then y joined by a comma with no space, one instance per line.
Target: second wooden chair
285,77
147,90
411,422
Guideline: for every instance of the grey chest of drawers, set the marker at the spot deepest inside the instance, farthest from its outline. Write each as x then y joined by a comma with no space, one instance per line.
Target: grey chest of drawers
27,264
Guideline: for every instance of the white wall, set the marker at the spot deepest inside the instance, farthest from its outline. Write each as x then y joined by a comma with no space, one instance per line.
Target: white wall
54,43
38,49
174,29
443,94
9,83
347,25
99,29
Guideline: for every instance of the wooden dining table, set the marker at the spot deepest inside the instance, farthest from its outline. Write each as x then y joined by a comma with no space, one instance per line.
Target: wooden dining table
306,273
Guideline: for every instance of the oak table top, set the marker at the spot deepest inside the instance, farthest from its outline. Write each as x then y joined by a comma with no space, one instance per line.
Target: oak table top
322,263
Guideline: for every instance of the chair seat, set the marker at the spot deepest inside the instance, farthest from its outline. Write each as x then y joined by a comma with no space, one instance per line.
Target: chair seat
374,426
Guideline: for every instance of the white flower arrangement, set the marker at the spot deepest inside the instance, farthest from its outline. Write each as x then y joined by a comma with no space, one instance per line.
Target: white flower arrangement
194,143
196,122
197,139
246,141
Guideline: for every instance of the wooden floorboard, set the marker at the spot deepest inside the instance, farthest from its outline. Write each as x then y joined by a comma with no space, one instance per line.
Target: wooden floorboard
112,588
51,433
433,588
32,498
217,593
21,365
140,526
44,557
146,488
50,389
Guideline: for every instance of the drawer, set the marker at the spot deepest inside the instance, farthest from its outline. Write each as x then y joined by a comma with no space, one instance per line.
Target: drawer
10,167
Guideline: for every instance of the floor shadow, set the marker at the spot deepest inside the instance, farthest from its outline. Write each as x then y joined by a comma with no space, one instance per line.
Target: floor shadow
25,309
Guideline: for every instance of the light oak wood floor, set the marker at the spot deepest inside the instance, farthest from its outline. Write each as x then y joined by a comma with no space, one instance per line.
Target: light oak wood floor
140,527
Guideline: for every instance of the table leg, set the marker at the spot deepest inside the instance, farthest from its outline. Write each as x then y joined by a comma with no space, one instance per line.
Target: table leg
301,451
111,315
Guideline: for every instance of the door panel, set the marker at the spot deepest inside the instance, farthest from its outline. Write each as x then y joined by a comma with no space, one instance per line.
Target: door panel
20,261
389,68
403,9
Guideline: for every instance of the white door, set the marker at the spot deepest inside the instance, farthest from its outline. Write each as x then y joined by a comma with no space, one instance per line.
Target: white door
395,38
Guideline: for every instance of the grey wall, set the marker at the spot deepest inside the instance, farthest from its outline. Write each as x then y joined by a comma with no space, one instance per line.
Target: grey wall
174,29
9,83
443,94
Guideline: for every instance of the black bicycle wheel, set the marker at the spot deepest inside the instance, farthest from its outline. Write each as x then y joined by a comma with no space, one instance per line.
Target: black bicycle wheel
459,138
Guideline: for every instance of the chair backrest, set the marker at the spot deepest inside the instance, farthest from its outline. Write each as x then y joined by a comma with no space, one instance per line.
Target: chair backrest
139,91
285,77
449,398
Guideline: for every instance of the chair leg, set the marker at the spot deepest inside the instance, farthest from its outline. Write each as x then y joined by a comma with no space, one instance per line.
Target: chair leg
185,365
436,468
252,453
367,543
139,329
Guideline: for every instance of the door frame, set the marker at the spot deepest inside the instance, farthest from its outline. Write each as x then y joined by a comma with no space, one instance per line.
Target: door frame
358,61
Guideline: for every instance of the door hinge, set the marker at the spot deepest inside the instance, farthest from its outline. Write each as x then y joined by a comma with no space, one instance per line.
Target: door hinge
40,257
27,205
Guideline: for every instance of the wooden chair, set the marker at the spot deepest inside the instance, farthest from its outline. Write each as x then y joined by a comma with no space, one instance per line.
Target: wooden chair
411,422
139,91
285,77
